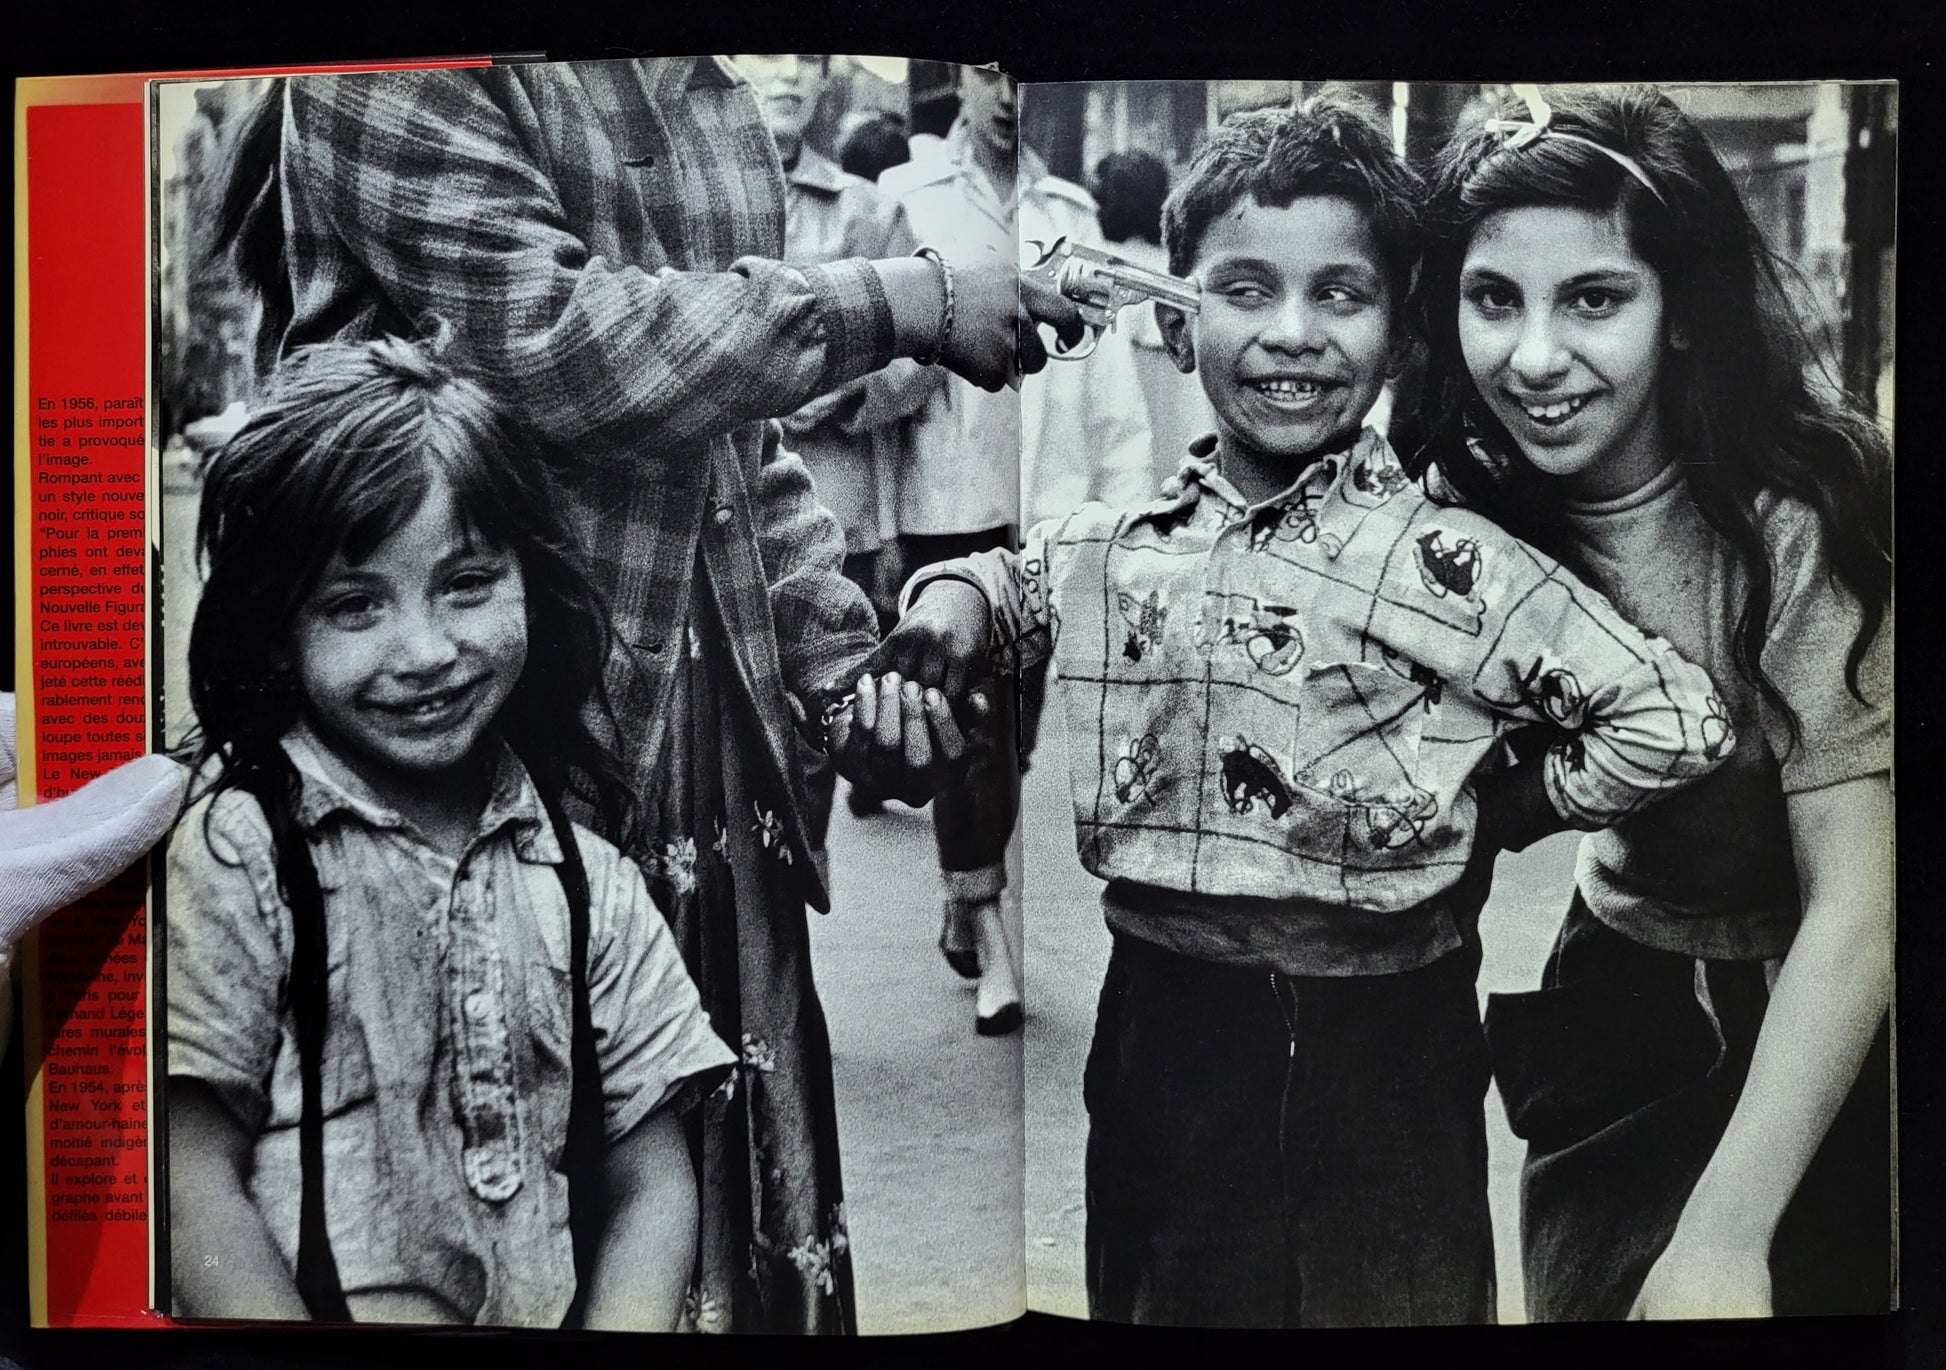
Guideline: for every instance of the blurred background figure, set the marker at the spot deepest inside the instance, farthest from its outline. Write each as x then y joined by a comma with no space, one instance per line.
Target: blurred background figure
1130,188
960,494
869,143
982,466
857,88
853,438
933,94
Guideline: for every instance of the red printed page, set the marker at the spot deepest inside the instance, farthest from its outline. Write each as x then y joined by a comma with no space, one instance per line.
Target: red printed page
80,333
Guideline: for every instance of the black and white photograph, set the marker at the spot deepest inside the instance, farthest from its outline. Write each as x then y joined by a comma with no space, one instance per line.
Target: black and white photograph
496,597
835,694
1528,354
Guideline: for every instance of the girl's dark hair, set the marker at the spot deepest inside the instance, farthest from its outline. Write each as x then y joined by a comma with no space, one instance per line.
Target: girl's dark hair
1130,188
1744,407
1331,144
339,455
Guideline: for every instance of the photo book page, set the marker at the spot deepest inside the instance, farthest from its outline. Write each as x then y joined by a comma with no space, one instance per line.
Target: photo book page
606,349
835,694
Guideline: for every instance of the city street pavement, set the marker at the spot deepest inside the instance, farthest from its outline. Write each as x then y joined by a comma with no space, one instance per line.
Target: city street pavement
927,1110
929,1113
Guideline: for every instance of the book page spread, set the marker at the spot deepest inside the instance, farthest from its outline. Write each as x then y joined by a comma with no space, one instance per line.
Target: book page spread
493,478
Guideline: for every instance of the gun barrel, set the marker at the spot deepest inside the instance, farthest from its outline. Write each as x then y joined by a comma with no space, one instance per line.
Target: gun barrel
1170,290
1125,279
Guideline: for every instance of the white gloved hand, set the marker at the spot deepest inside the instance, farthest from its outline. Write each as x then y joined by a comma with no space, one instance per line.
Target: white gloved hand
56,852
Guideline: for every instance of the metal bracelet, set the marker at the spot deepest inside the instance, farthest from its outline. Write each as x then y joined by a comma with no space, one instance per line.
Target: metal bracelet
836,709
947,300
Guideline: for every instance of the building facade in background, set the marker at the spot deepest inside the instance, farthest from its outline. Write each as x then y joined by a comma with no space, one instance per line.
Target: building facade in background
1814,162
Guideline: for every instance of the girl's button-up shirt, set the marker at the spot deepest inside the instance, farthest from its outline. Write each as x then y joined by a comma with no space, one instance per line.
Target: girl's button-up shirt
446,1060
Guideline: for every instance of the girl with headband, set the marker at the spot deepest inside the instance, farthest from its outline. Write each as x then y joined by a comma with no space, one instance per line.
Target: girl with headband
1617,376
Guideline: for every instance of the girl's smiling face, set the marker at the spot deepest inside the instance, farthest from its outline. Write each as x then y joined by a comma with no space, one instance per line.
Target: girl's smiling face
406,657
1563,327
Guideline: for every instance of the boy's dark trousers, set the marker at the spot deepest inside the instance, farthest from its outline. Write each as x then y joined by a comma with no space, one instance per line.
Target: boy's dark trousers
1269,1151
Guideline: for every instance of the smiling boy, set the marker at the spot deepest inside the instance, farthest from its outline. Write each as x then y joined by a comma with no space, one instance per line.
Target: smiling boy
1285,681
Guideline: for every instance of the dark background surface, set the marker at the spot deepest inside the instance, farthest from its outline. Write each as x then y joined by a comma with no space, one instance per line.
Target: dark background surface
1395,39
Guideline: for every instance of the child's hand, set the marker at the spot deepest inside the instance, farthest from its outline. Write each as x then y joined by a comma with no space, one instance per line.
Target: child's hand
1696,1279
941,642
901,740
1514,810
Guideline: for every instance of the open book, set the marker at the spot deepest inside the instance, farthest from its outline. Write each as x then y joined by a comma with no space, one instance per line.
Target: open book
598,242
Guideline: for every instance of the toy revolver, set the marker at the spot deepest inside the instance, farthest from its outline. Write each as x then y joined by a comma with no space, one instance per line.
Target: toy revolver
1101,285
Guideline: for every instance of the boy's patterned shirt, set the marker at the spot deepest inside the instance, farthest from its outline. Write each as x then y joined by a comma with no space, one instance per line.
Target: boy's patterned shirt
1290,699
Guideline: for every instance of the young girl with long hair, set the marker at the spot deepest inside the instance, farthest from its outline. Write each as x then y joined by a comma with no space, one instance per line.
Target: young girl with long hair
428,1041
1617,375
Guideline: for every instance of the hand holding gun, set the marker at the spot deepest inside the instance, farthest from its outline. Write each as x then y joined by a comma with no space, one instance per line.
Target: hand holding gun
1101,285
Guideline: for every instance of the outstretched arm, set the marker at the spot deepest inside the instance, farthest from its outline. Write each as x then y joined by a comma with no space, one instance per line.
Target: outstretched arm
1825,1008
430,182
1632,719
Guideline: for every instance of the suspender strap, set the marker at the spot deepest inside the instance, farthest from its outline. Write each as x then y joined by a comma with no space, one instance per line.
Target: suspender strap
583,1154
317,1268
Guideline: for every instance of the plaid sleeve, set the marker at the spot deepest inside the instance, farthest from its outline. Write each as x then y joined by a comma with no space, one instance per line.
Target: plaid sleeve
901,389
875,228
825,624
426,180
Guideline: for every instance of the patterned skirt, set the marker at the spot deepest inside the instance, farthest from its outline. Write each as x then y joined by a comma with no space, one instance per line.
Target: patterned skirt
773,1253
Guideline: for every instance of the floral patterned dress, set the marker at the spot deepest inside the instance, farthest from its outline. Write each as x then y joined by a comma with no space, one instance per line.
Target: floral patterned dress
772,1255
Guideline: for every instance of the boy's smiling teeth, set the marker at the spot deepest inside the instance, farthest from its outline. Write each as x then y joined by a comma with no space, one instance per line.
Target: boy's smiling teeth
1289,389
